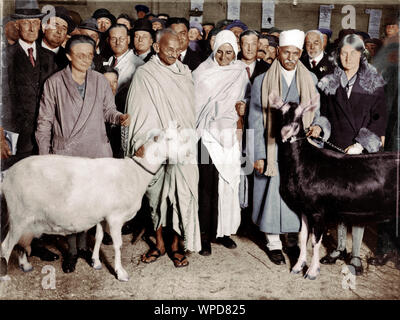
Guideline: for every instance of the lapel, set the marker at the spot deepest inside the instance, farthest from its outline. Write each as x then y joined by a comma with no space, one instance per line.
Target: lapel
345,105
24,68
355,101
77,101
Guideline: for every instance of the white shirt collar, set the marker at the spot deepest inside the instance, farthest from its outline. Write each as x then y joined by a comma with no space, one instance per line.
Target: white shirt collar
183,54
317,58
55,50
26,46
288,75
252,66
144,55
120,58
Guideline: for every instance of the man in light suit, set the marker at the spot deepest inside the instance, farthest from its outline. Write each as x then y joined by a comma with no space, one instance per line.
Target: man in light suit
125,62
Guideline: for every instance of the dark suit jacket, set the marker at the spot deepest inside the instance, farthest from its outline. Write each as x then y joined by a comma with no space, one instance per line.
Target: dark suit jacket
192,59
261,67
60,59
323,68
23,86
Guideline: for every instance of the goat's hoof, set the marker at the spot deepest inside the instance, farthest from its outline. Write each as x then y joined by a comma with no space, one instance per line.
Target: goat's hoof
96,265
122,276
294,271
26,267
3,267
310,277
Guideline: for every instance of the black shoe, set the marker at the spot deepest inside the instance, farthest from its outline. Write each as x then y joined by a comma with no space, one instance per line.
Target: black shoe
227,242
107,240
358,269
379,259
205,248
127,228
330,260
85,254
276,256
44,254
69,263
293,252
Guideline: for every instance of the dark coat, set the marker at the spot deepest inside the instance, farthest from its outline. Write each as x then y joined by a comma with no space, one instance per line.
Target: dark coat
261,67
22,87
323,68
60,59
360,118
192,59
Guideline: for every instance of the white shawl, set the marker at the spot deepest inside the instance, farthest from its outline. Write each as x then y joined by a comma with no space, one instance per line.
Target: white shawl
217,89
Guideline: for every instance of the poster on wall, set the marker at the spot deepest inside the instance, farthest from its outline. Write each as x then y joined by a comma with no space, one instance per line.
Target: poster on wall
196,4
374,22
198,19
233,10
268,14
325,13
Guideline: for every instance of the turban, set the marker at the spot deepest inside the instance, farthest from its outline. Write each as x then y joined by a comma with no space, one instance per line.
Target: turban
292,38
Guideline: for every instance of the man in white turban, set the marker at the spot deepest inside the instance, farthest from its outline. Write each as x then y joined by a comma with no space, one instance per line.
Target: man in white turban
294,83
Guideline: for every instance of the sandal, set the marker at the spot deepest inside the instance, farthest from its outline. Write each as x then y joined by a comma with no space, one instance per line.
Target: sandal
157,254
177,261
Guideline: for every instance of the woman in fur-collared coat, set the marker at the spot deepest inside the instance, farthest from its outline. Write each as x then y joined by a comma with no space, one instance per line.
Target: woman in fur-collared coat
352,98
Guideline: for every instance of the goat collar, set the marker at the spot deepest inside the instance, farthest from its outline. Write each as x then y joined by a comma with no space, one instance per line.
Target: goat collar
369,79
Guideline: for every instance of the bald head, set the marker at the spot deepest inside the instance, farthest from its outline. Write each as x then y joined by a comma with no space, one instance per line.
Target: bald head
167,46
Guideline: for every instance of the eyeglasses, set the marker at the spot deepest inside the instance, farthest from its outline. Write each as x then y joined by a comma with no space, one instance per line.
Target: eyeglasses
82,56
120,39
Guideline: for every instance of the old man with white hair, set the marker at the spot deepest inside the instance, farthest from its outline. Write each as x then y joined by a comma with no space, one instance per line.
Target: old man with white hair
293,82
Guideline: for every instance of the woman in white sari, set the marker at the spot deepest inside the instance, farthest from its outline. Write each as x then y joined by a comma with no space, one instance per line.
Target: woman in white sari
220,86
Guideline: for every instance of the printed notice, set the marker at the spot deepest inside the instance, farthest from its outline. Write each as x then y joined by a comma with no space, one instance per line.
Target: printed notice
196,4
375,16
268,13
233,10
325,13
198,19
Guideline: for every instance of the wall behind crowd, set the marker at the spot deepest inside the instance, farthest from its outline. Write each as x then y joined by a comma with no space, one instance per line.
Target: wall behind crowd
304,15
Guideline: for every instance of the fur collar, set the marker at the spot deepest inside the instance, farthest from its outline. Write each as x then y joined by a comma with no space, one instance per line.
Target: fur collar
369,79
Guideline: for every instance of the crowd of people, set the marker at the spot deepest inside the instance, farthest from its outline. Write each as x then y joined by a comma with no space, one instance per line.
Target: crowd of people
97,87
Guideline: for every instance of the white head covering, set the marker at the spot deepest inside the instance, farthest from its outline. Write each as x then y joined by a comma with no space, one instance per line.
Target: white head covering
226,36
293,37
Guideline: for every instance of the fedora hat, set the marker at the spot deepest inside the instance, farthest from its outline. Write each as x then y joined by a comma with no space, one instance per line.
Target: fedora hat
27,9
104,13
90,24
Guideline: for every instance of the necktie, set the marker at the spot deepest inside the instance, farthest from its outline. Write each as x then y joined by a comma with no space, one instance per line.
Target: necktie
248,72
115,62
314,63
30,52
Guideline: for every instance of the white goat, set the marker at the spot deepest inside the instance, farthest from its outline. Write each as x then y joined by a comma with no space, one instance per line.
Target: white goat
62,195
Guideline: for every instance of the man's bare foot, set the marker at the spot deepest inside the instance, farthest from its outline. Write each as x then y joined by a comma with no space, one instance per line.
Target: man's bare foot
179,259
152,255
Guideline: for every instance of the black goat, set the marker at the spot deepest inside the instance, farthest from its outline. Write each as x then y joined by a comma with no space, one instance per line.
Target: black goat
320,184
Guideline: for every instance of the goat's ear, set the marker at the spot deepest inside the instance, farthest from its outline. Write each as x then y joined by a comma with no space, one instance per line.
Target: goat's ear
312,105
275,101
